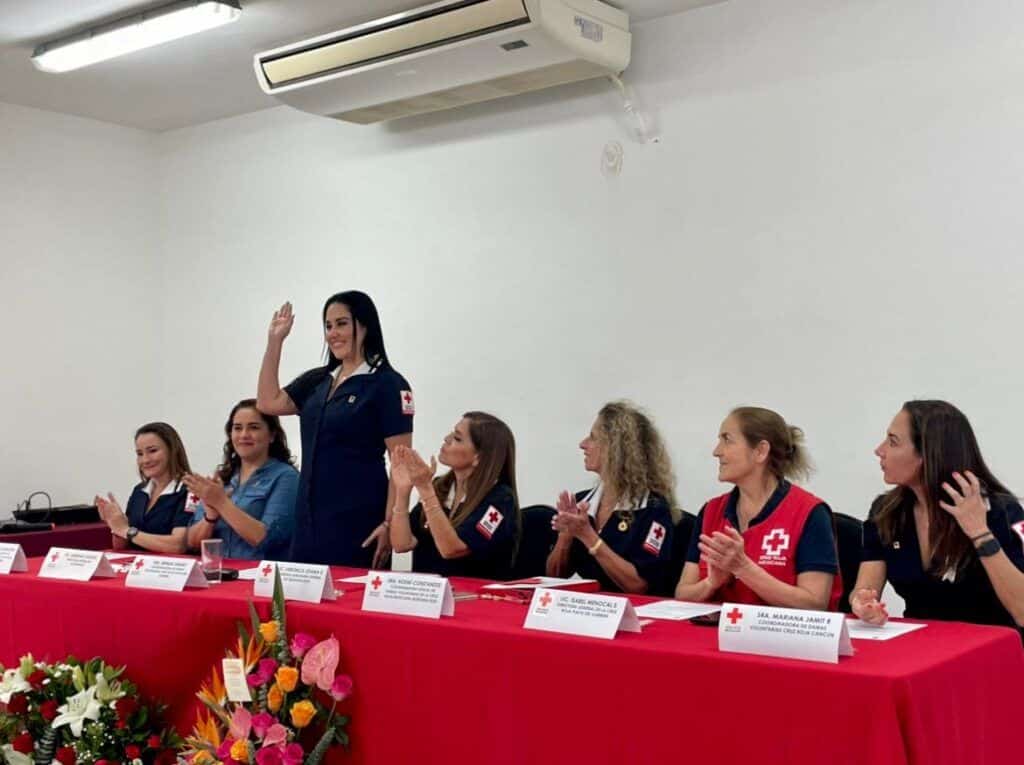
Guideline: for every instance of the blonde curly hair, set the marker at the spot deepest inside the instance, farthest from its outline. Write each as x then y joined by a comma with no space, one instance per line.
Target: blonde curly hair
635,458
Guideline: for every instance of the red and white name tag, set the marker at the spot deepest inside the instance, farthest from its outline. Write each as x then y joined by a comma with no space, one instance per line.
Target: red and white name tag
490,522
655,538
408,404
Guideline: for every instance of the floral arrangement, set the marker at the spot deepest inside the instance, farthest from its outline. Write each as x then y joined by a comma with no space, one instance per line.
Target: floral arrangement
72,712
295,689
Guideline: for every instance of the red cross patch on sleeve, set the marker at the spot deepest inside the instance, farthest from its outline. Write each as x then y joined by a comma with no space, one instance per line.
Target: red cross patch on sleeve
1019,528
408,405
490,522
192,503
655,538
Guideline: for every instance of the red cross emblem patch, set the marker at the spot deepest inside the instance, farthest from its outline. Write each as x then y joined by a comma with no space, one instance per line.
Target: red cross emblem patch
655,538
408,404
490,521
775,543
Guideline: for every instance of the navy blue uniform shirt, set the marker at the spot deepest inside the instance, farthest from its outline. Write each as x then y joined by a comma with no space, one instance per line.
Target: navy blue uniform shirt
816,550
491,539
343,484
167,514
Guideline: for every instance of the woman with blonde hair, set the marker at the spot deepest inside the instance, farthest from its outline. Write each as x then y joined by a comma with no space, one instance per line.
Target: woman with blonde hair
619,532
767,541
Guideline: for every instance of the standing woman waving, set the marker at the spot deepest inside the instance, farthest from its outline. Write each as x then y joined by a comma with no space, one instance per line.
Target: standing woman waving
351,411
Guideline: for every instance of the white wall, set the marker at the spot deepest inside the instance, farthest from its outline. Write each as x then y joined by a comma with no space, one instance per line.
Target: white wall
828,227
81,304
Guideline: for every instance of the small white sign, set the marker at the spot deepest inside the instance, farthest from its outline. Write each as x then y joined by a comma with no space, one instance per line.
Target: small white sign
790,633
307,582
676,610
580,613
12,558
234,680
391,592
77,565
861,631
157,573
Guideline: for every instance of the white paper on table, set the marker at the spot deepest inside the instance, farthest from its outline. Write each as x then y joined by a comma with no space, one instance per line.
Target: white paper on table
12,558
249,574
861,631
676,610
533,582
355,579
119,557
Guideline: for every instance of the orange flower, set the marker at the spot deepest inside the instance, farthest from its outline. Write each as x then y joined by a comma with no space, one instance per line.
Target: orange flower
287,678
268,631
202,757
303,714
240,751
275,698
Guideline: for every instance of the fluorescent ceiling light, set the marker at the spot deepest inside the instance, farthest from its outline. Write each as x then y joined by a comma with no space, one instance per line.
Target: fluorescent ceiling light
132,33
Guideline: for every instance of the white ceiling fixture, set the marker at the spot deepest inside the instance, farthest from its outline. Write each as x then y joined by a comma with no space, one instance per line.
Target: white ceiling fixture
447,54
133,33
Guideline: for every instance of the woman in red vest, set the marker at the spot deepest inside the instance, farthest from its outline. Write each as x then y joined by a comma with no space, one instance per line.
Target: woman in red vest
767,541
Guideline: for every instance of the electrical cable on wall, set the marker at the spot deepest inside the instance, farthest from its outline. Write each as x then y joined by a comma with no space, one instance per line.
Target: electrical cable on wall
642,126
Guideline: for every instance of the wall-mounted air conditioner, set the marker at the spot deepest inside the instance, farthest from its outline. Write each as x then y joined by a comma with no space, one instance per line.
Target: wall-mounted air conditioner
447,54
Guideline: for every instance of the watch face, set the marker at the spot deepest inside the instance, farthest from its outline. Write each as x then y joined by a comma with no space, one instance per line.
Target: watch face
991,547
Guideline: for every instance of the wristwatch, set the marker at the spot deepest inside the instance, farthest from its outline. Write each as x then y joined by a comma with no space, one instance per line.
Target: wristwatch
988,548
132,531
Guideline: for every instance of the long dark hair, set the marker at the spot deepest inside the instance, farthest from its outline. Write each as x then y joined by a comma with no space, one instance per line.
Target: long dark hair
177,460
279,450
494,442
363,311
944,438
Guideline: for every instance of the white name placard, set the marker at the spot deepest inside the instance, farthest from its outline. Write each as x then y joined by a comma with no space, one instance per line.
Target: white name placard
77,565
790,633
580,613
393,592
307,582
157,573
12,558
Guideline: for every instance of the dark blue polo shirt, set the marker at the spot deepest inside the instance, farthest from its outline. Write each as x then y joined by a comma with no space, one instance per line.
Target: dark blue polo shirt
491,547
816,549
167,514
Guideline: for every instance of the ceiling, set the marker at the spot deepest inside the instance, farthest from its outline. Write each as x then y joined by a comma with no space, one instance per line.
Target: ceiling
192,80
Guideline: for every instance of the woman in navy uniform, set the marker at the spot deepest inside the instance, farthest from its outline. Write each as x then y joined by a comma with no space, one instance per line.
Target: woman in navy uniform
467,522
351,411
156,517
767,541
948,536
620,532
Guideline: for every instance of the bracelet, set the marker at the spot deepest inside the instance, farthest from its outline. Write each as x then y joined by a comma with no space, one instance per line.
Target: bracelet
982,535
208,519
597,546
386,523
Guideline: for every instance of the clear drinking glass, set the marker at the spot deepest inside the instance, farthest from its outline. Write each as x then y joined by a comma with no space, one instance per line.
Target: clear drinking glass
212,559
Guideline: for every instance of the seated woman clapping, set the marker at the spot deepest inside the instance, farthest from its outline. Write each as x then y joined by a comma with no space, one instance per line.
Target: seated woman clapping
250,502
767,541
467,522
620,532
155,518
948,536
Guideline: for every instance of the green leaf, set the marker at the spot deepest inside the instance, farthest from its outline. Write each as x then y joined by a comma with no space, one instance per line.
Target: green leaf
255,618
321,747
242,633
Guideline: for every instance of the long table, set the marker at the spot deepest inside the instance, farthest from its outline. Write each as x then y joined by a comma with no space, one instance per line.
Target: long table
477,688
82,536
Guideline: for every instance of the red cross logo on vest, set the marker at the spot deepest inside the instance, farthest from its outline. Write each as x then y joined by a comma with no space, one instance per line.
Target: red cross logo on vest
376,582
266,570
139,564
775,543
734,616
493,516
659,532
545,599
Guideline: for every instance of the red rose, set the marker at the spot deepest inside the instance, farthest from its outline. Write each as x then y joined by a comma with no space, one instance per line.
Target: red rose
126,708
153,742
36,678
66,755
48,710
23,744
102,762
18,705
120,725
132,752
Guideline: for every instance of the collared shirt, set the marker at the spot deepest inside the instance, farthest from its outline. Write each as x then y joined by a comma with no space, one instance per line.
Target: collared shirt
268,496
816,549
167,513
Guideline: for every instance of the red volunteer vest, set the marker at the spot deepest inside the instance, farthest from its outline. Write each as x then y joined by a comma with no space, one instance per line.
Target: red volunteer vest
771,544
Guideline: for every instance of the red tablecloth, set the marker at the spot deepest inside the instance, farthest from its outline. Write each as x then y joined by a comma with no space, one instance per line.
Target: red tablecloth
82,536
477,688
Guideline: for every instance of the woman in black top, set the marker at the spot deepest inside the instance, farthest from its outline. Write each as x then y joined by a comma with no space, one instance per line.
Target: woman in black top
467,522
949,535
156,517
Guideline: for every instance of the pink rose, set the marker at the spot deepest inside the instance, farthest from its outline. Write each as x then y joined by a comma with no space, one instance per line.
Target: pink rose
320,663
293,754
277,734
301,643
268,755
241,723
264,673
261,723
341,688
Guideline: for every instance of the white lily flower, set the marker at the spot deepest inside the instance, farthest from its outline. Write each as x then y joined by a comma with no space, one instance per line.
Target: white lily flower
13,757
78,708
12,682
107,692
